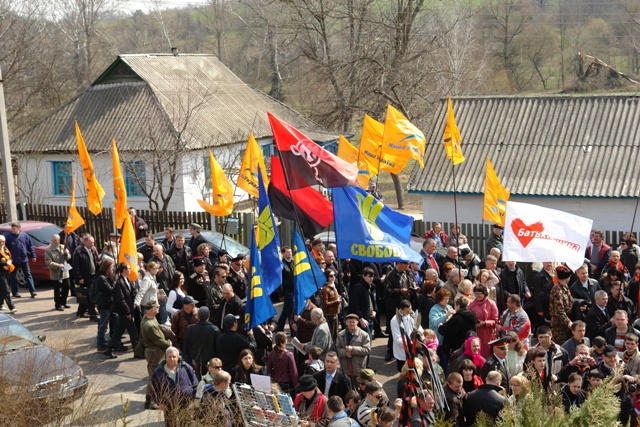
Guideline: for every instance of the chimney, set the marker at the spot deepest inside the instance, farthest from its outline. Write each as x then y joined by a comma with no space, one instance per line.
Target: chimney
174,51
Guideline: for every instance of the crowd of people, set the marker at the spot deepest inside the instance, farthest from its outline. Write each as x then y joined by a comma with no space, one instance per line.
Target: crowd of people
485,329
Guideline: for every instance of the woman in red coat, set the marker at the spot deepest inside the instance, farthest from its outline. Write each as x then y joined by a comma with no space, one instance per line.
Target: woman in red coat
487,314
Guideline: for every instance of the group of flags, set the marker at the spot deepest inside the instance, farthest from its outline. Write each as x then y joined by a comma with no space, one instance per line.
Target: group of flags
366,229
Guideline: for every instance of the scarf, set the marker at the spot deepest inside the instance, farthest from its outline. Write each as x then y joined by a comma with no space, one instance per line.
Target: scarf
477,358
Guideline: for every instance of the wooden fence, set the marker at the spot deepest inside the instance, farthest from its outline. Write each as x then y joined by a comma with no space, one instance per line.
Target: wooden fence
100,226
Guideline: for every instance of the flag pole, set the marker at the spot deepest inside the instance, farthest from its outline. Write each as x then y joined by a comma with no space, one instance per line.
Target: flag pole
635,211
455,204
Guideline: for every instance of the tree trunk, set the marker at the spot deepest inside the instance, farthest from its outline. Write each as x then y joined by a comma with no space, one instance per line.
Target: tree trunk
397,186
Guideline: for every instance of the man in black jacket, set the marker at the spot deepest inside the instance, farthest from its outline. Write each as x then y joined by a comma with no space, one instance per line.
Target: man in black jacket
123,296
331,381
598,318
287,287
231,343
486,398
584,288
196,237
181,256
85,266
200,341
361,302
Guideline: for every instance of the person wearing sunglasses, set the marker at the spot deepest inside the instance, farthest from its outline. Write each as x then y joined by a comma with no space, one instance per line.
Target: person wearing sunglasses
373,395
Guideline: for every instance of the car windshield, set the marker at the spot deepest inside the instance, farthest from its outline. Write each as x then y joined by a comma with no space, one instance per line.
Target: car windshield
42,236
14,336
234,248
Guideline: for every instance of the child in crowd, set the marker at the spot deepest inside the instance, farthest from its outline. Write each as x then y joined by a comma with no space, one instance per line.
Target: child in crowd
430,339
314,364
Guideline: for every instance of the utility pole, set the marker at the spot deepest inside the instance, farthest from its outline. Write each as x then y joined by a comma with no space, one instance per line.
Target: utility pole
5,156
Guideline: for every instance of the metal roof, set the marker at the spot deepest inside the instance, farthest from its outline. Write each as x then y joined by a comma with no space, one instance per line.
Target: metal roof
194,95
555,145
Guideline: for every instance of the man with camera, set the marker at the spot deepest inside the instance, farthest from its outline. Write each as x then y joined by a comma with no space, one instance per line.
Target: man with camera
580,364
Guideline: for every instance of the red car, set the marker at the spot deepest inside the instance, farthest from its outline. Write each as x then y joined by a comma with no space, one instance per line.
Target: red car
40,234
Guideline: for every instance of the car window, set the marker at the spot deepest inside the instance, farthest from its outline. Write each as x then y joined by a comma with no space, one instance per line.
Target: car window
230,245
42,236
13,336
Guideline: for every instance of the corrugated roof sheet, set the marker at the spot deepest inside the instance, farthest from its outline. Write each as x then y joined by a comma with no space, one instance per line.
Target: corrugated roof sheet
202,98
564,145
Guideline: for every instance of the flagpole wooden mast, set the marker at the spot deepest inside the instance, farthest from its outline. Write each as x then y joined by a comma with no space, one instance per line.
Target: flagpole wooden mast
635,211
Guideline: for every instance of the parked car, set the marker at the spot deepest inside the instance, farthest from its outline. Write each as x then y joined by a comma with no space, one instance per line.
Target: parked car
40,234
214,239
29,369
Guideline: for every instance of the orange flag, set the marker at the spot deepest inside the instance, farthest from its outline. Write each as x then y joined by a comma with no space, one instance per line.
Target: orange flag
119,188
452,137
128,252
95,193
74,220
221,191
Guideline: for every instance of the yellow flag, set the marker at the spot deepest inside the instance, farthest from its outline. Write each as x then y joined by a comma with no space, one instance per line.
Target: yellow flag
128,252
95,193
119,188
402,141
74,220
248,176
495,197
221,191
452,137
349,153
370,145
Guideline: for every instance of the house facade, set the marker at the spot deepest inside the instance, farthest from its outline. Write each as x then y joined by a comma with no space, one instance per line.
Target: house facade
165,112
574,153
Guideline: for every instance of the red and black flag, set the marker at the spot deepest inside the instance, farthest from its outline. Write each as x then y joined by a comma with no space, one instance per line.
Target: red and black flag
314,164
305,205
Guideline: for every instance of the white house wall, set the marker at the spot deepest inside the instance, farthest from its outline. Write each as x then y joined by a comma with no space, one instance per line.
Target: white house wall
607,214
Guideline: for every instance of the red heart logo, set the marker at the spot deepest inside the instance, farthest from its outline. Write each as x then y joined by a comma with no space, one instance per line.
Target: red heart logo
525,233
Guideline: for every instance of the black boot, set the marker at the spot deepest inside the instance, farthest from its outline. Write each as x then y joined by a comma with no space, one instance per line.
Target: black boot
148,404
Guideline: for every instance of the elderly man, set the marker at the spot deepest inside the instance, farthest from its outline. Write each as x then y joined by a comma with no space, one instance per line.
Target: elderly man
495,240
321,335
231,304
155,345
200,341
432,258
455,277
353,346
451,256
487,398
163,276
198,281
173,385
85,266
55,257
22,250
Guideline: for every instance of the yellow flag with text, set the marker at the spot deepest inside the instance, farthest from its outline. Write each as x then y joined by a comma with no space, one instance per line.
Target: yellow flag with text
402,141
495,197
221,191
349,153
74,219
370,145
452,137
119,188
127,251
95,193
248,176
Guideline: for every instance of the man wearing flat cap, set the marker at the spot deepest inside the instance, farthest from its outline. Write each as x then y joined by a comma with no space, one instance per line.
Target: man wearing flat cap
196,237
353,346
181,320
495,240
155,344
198,282
498,361
231,343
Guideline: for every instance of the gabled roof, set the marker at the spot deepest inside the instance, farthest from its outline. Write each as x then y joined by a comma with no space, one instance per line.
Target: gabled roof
163,95
555,145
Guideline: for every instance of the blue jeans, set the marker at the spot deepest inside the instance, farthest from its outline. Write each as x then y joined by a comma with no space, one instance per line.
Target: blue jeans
287,311
163,314
107,318
27,276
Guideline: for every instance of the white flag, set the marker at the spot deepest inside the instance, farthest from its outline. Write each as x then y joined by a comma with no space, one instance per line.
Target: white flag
533,233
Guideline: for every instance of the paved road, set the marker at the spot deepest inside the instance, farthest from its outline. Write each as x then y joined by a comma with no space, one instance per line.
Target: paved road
124,379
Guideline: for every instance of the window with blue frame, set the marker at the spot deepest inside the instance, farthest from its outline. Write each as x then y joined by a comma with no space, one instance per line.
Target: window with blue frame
135,175
62,178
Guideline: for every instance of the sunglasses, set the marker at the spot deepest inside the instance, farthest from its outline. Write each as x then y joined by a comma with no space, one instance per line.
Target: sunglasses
378,396
332,275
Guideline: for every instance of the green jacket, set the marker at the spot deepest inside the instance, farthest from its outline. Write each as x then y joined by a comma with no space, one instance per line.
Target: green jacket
152,335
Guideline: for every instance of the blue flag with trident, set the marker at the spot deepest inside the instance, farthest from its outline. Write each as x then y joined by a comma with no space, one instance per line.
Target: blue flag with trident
259,307
268,240
307,275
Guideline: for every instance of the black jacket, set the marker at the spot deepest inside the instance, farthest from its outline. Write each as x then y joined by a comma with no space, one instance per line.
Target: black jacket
487,399
360,300
200,344
340,385
492,364
610,334
287,275
82,265
195,242
513,282
123,296
104,289
597,322
163,278
624,304
182,259
454,331
229,345
147,252
579,292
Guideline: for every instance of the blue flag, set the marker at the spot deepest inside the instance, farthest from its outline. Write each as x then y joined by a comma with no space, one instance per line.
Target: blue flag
368,230
259,307
268,241
307,275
